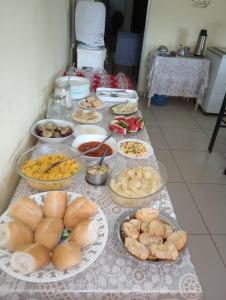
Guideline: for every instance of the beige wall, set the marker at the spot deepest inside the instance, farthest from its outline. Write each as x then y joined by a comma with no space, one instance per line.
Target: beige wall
34,48
171,22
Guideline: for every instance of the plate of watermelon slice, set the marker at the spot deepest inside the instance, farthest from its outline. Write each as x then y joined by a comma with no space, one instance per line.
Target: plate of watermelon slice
127,125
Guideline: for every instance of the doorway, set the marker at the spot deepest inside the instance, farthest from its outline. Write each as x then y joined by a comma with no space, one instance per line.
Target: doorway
124,32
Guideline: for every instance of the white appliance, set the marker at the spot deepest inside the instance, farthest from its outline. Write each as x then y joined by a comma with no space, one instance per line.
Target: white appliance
89,32
217,82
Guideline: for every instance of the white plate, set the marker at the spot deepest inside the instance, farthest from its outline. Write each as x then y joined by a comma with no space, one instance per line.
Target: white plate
99,117
89,129
83,107
53,140
50,273
95,138
149,148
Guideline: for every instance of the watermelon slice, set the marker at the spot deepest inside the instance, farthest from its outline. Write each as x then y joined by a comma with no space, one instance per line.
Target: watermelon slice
113,122
123,124
118,129
140,122
120,118
133,128
130,120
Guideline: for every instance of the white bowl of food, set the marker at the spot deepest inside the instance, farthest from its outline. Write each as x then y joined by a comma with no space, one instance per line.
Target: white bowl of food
53,131
89,141
89,129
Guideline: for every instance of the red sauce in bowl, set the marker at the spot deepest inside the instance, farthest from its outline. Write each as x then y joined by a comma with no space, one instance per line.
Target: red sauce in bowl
96,153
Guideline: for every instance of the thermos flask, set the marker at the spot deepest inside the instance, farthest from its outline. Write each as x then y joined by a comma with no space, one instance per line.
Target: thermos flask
199,49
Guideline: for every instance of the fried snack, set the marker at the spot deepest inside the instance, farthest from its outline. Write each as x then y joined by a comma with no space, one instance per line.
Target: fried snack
147,214
146,239
168,231
156,227
130,230
135,222
144,227
165,251
136,248
178,238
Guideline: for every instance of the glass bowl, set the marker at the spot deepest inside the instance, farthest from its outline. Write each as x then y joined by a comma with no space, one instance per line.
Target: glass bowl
47,149
138,201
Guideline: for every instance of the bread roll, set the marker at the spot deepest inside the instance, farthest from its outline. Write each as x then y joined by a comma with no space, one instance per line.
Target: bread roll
66,255
14,235
79,210
48,232
136,248
55,204
27,211
85,233
130,230
29,258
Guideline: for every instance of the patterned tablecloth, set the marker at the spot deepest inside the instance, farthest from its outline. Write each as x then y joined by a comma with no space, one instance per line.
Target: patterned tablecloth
177,76
113,275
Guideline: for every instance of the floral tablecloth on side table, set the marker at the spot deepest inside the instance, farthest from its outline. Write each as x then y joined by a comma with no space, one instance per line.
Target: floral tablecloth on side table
113,275
177,76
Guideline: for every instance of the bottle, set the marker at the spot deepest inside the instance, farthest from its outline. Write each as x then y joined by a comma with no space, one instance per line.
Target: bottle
199,49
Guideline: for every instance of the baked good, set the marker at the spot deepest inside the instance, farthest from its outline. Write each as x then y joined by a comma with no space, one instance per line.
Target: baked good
135,222
156,227
48,232
66,255
146,239
15,234
164,251
85,233
168,231
29,258
55,204
179,239
144,227
79,210
147,214
27,211
130,230
136,248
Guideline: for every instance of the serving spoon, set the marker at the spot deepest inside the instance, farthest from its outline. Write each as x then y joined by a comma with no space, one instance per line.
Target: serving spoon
77,155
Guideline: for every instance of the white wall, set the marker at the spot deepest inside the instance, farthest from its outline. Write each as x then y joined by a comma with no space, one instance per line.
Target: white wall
177,21
34,48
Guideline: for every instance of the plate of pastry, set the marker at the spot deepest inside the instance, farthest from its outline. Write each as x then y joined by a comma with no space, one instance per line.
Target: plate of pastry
150,235
91,102
86,116
51,236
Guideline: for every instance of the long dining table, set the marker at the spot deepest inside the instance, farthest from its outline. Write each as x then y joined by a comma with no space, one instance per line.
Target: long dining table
114,275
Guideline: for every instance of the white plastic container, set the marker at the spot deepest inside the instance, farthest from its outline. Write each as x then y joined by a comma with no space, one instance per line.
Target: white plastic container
91,58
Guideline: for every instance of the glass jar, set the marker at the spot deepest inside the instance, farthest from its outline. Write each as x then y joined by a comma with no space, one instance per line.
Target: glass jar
64,90
57,107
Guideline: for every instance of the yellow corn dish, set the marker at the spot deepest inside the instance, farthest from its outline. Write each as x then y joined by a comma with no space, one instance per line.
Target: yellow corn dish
35,168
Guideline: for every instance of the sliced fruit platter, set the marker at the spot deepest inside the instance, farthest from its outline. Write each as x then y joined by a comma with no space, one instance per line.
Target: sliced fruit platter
126,125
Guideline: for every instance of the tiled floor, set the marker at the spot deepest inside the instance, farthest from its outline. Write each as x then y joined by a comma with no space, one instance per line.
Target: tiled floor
196,184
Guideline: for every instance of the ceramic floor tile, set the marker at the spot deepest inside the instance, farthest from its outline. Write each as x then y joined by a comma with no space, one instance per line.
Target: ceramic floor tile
176,104
201,167
149,118
209,267
220,241
220,142
156,137
186,209
205,121
175,119
167,159
211,201
185,138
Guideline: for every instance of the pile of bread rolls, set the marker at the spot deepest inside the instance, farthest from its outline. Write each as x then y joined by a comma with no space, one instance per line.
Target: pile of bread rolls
35,232
147,237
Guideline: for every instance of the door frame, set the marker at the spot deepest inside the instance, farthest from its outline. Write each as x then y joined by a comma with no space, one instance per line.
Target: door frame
143,58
